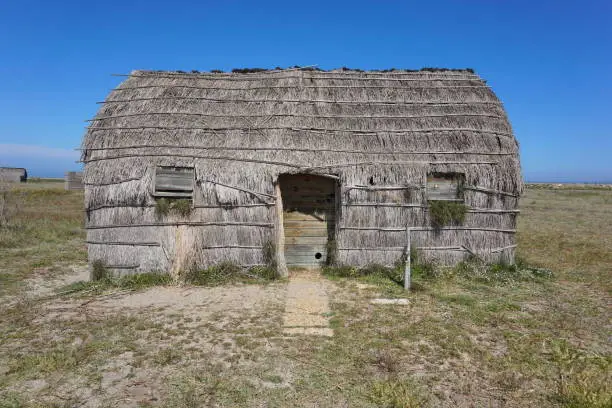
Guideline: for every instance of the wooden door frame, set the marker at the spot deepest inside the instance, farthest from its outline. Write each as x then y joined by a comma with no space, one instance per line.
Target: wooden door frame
281,263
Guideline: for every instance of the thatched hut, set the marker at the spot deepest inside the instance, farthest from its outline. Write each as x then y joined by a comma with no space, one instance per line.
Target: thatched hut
13,174
304,166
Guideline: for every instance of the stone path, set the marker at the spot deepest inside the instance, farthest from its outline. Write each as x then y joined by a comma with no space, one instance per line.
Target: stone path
307,307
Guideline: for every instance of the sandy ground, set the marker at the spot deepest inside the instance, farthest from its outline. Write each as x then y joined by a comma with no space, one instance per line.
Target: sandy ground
307,306
230,328
42,284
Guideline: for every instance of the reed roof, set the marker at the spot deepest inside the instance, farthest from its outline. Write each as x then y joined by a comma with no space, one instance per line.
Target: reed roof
302,117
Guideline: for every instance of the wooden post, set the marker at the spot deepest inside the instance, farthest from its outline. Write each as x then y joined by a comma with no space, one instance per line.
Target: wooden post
407,264
281,264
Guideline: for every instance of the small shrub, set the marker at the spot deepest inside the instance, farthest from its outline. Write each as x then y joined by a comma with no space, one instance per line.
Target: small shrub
99,271
386,361
332,252
264,272
477,270
443,213
162,207
106,281
167,356
227,272
182,207
395,274
269,255
248,70
397,394
583,378
341,271
214,275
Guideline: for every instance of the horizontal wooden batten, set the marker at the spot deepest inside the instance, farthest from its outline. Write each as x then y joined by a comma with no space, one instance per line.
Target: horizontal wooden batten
151,244
304,102
127,266
301,87
360,132
298,217
291,165
231,247
403,248
384,188
491,191
295,115
113,182
245,190
217,206
388,229
396,163
319,239
179,223
433,248
503,248
298,149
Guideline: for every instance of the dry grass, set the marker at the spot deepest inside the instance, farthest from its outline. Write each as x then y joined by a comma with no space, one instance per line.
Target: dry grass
462,341
44,234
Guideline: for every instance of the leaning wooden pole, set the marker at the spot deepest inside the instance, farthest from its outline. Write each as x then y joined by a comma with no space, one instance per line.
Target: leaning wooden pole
407,272
281,263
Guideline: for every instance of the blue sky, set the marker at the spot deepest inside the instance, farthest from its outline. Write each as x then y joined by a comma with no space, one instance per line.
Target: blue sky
549,61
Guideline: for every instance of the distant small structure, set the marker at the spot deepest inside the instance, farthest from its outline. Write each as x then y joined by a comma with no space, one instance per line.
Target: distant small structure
13,174
73,180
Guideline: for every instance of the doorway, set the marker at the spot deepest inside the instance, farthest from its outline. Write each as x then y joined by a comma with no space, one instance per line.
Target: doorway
309,218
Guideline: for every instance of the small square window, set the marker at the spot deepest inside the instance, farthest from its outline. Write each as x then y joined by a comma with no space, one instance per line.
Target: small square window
445,186
174,182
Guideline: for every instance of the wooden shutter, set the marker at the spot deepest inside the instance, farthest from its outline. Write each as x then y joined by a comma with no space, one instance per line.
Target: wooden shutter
174,182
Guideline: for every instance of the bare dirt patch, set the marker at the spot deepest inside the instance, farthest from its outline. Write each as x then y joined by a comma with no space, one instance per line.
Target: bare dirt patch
45,281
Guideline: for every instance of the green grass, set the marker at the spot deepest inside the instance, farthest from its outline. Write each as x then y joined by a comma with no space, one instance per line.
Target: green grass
229,272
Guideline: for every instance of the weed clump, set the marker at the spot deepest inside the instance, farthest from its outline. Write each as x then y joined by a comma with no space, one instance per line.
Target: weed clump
444,213
228,272
99,272
167,356
269,256
395,274
397,394
332,253
182,207
501,273
164,206
582,377
105,281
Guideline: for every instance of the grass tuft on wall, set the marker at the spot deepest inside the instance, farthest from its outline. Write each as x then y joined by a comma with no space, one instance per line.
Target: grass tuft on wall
443,213
165,206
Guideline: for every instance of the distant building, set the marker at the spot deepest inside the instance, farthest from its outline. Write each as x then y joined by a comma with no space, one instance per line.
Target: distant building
13,174
73,180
